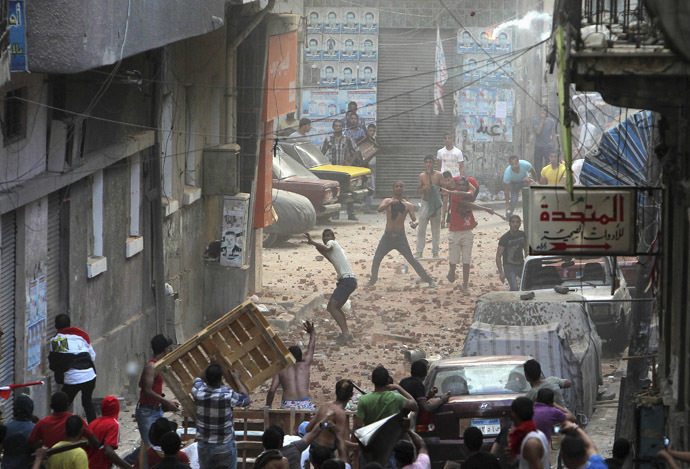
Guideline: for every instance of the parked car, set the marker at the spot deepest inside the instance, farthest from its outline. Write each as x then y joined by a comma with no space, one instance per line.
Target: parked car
482,389
555,329
353,180
296,215
593,278
289,175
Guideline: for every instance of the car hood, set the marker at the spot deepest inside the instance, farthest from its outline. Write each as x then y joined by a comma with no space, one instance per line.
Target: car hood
353,171
307,180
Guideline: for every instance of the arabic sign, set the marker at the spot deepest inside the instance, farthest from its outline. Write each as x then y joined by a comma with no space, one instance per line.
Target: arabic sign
594,221
281,75
17,36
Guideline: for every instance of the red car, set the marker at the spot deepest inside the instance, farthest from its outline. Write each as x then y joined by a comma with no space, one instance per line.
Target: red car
288,175
482,390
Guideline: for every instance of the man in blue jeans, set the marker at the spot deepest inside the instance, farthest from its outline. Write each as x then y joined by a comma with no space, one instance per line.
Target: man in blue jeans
215,433
509,255
516,176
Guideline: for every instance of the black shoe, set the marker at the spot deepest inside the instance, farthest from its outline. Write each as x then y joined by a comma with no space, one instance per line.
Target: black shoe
352,217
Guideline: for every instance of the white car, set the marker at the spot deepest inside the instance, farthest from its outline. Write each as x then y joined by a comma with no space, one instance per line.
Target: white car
591,277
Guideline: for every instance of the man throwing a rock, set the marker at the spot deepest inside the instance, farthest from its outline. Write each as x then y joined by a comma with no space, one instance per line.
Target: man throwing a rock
347,282
397,209
295,379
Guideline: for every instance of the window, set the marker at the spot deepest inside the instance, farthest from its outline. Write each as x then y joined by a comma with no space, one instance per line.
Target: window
14,121
97,263
135,242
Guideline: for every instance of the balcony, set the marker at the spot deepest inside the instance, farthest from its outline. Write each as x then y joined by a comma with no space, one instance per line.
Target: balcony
618,48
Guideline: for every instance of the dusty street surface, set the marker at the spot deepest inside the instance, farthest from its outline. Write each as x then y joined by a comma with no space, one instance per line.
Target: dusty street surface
434,320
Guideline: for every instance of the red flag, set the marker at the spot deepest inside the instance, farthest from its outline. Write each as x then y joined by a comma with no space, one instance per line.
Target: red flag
5,391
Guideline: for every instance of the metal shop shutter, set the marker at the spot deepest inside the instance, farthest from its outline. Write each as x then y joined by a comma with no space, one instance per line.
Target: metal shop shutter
53,265
7,283
408,129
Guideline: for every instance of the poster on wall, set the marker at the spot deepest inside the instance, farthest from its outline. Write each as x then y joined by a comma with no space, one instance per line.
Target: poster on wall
350,21
367,76
319,104
347,78
366,103
36,310
328,75
369,24
312,51
479,40
348,49
368,48
234,230
314,20
331,47
331,22
485,114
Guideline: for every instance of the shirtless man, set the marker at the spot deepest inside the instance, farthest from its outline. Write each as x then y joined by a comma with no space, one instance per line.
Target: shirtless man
339,435
428,184
397,209
295,380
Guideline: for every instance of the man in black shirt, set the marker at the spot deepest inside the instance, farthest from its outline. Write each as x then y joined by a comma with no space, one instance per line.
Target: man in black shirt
509,255
414,385
474,438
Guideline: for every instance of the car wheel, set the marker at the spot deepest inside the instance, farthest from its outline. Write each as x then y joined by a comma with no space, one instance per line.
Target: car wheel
270,239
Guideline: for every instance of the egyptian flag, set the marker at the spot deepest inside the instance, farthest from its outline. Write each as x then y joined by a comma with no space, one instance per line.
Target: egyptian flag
441,74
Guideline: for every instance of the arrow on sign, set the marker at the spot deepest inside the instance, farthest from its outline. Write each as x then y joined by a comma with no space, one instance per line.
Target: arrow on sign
563,246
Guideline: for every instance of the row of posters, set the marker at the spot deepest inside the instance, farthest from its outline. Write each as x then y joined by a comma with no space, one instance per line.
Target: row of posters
487,71
477,40
324,106
343,20
486,113
347,76
334,47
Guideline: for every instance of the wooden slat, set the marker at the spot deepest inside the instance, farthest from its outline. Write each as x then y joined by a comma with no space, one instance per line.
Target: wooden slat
199,357
190,365
182,375
181,395
212,349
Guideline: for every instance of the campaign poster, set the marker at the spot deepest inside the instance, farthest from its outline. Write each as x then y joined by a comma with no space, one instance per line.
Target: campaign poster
503,42
320,130
369,23
312,51
367,75
368,48
466,45
505,72
348,49
234,230
470,70
319,103
331,47
486,42
350,21
347,78
36,309
331,22
328,75
314,20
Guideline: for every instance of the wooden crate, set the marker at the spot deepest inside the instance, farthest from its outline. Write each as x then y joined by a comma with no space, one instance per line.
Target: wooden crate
242,340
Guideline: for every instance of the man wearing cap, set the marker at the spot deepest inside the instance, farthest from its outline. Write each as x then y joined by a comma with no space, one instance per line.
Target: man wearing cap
151,400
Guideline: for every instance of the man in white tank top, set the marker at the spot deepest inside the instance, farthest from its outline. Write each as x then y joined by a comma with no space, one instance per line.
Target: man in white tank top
526,442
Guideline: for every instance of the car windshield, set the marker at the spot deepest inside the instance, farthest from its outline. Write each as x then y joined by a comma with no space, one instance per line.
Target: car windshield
549,272
310,155
481,379
285,167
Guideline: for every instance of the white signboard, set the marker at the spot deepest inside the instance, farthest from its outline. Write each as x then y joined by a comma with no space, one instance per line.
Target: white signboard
593,221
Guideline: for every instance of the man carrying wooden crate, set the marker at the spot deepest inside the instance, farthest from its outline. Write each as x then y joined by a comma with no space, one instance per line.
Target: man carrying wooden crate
215,434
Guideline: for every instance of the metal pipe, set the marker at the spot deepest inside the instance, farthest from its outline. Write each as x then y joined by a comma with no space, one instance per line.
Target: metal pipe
253,23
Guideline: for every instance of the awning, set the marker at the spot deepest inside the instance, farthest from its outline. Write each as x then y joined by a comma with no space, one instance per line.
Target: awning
622,156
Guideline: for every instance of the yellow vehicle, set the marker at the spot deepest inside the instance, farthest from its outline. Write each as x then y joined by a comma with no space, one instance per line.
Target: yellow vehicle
353,180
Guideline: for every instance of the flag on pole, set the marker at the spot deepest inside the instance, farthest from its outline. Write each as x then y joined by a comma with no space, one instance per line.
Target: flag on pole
441,74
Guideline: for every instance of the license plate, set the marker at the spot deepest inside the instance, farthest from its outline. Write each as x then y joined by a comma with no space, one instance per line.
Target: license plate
487,426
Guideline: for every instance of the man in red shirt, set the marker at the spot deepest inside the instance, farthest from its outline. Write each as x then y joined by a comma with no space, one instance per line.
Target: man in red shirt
462,222
107,430
51,429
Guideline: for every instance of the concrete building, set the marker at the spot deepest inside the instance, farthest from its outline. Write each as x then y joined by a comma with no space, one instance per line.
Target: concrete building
639,57
105,213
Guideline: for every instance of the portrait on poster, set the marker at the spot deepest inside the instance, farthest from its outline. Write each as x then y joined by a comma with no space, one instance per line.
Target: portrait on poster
503,43
370,22
312,52
466,45
331,47
329,75
319,103
331,23
233,230
367,75
470,70
486,42
348,76
348,50
366,102
350,21
368,48
314,20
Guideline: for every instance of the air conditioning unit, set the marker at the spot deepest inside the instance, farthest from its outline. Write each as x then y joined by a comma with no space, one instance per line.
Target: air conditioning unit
221,170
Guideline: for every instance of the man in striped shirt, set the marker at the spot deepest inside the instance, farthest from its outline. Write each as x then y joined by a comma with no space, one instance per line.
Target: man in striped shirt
214,422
